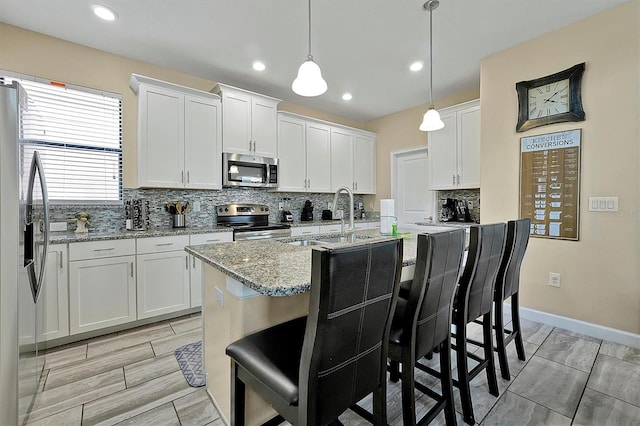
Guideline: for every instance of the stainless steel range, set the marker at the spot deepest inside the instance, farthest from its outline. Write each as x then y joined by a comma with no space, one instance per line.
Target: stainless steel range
250,222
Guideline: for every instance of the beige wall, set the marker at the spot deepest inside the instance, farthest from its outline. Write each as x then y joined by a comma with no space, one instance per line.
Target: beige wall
600,273
35,54
399,131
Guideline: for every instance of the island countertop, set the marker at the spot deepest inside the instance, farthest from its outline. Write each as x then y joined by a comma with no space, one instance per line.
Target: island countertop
274,267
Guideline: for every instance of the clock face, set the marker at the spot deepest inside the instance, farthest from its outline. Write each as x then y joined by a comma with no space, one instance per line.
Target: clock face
549,99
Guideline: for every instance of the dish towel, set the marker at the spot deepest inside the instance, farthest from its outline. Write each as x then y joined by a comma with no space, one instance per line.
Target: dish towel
189,359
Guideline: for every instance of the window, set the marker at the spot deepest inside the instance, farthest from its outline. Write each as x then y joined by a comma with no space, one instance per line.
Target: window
78,133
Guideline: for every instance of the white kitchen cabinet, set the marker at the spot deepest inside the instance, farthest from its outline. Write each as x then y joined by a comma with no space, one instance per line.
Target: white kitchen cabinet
304,148
331,229
353,160
249,122
179,136
163,275
102,284
454,152
53,305
195,274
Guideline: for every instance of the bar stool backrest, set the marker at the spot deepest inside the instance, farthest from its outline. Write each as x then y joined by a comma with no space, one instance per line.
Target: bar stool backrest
508,281
486,246
353,290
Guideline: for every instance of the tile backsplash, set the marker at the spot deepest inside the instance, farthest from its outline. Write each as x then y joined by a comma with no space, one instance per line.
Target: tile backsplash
105,218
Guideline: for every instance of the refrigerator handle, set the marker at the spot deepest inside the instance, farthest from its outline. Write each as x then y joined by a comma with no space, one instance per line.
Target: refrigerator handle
30,249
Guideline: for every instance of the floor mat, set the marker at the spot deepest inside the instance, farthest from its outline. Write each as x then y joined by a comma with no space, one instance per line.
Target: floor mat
190,361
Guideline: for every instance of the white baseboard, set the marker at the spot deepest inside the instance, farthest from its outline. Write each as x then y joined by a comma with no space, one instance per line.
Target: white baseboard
582,327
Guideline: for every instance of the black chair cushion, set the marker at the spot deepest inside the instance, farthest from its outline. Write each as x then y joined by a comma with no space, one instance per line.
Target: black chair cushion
272,356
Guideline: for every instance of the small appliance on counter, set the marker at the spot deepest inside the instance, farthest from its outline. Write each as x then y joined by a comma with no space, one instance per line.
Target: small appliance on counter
286,210
454,210
327,215
307,211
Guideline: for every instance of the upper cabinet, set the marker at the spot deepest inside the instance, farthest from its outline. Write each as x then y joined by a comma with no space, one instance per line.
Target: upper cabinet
249,122
179,136
317,156
454,152
304,148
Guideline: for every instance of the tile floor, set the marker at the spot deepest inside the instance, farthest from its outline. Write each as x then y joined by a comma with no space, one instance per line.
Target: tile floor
132,378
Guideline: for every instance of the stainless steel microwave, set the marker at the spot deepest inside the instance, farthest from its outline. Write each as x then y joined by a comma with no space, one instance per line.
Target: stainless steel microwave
249,170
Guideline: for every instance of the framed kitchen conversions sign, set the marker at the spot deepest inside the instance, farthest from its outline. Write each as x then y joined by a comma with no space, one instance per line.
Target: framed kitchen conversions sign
550,184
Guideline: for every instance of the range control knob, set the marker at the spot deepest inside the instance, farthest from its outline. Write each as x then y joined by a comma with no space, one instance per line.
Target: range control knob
226,209
220,209
266,209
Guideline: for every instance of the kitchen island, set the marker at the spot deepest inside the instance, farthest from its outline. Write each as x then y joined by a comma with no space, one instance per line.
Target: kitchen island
252,285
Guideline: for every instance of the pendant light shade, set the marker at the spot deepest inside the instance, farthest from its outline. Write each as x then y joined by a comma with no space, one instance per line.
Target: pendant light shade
431,120
309,81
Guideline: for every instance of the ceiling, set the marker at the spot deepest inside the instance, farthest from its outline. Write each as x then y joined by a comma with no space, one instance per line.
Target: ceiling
364,48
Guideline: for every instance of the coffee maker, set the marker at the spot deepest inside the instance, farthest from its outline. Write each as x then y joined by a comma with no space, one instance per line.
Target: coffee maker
454,210
307,211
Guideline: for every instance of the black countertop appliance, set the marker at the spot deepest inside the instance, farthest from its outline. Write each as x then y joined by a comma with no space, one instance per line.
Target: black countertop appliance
454,210
307,211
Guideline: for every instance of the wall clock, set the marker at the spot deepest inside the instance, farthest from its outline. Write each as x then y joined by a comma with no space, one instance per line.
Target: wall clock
551,99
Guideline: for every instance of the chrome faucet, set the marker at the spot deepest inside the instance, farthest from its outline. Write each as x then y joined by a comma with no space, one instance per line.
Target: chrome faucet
351,230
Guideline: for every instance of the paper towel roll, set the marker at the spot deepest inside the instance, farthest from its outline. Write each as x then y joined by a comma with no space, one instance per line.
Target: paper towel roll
387,207
387,215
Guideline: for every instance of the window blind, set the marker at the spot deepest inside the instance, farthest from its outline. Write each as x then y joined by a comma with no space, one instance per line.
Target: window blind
78,132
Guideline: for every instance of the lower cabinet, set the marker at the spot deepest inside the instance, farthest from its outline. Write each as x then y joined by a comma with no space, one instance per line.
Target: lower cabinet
55,295
102,284
163,276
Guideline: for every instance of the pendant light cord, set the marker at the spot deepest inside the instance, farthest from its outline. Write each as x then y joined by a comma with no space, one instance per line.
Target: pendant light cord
310,57
430,55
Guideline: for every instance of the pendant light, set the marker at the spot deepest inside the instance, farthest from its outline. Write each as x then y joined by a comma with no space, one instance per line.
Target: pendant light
431,120
309,81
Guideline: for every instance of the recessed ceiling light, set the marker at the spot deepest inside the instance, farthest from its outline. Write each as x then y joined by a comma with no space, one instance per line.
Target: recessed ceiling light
104,12
347,97
259,66
416,66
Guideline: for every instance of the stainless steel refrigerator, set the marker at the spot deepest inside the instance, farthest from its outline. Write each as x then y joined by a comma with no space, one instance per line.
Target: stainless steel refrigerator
24,239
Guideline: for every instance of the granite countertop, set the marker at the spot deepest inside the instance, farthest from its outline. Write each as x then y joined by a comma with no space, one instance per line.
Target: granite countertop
329,222
274,267
70,237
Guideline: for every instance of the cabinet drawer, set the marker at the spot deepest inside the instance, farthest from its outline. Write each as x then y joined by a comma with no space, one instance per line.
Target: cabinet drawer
212,238
360,226
304,230
330,229
160,244
100,249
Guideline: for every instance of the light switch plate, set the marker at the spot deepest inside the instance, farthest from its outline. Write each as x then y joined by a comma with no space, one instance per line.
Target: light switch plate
603,204
58,226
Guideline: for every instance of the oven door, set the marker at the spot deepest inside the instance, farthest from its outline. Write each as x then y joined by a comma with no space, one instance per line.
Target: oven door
249,170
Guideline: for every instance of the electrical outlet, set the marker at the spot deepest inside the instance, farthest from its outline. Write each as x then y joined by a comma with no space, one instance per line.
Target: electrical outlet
58,226
470,204
280,205
219,297
554,279
196,206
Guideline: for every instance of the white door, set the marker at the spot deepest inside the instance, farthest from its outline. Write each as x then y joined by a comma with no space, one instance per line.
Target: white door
163,283
236,123
291,148
341,159
203,143
318,158
263,127
414,201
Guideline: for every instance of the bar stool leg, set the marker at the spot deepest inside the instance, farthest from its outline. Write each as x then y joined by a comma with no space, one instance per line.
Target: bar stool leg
394,371
515,320
500,346
463,372
488,354
408,386
447,383
237,397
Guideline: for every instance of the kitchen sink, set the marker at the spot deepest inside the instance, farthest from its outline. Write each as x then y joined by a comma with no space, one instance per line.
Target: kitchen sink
317,241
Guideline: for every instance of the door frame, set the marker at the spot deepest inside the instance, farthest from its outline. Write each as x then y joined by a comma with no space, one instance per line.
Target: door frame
393,155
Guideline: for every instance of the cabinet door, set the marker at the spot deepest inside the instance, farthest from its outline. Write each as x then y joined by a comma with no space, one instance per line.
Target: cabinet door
196,264
236,123
55,301
318,159
263,127
163,283
160,138
203,143
102,293
341,159
469,147
291,146
301,231
364,162
442,154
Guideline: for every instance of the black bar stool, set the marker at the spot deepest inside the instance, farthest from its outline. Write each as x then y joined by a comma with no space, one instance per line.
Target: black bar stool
313,369
508,285
422,323
474,299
